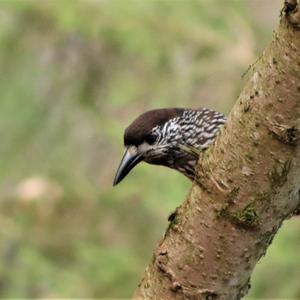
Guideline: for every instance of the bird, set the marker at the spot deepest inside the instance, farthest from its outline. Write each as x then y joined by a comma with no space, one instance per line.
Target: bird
170,137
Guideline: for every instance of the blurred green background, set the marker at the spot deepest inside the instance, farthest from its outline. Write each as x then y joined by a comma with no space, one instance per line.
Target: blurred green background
73,75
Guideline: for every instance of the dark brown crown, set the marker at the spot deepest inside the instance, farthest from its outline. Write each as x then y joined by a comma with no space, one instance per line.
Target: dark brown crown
136,132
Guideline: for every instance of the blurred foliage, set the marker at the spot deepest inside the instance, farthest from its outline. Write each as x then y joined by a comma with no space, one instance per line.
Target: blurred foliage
73,75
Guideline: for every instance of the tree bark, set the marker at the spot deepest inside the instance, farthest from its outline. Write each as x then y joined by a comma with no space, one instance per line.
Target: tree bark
247,184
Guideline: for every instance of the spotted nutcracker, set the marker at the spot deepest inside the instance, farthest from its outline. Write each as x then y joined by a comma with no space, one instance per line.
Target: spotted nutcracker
171,137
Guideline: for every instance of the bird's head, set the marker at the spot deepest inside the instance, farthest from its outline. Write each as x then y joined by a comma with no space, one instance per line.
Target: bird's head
150,138
172,137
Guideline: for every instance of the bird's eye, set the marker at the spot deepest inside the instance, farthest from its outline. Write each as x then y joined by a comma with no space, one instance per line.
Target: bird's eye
150,139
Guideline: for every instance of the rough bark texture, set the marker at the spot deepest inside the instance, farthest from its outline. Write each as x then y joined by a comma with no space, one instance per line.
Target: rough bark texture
247,184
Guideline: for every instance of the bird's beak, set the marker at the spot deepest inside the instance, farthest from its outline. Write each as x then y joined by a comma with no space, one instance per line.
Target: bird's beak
130,159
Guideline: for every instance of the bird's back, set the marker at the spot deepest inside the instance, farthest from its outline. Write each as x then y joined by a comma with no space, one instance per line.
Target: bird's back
200,127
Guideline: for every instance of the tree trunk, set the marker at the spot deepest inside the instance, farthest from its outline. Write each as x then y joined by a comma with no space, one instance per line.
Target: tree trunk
247,184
